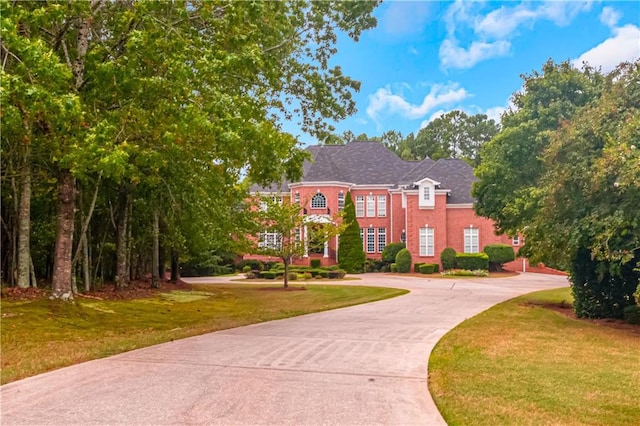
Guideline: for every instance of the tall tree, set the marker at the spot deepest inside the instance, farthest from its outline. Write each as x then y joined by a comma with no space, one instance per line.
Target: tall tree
455,135
152,90
507,189
588,217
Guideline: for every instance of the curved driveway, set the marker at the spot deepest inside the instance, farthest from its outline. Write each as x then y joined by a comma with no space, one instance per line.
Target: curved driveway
362,365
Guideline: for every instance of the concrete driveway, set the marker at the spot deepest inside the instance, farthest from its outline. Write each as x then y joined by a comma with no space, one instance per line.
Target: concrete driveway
362,365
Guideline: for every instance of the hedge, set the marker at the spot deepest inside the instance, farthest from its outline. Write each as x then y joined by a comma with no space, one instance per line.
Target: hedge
315,263
429,268
394,267
416,266
268,275
337,274
472,261
391,251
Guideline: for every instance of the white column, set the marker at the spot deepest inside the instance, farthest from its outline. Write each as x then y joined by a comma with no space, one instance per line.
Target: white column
326,249
306,241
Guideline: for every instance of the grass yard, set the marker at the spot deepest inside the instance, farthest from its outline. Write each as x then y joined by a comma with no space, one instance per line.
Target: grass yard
42,335
521,363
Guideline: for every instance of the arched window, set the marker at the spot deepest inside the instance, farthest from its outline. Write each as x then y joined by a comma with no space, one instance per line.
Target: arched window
319,201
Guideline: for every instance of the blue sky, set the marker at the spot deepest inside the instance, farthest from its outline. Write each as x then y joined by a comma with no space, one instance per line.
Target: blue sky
427,57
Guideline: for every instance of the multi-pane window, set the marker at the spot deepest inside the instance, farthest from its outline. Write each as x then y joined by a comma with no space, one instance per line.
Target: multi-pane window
471,242
297,234
319,201
516,240
340,201
382,205
371,240
359,205
371,205
426,241
270,240
426,193
382,239
297,198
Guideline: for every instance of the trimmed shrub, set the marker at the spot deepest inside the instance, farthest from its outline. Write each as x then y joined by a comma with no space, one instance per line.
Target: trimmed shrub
246,268
391,251
323,273
276,266
332,267
448,258
472,261
315,263
268,275
429,268
337,274
416,267
350,252
499,254
393,267
307,276
293,276
250,275
465,273
403,261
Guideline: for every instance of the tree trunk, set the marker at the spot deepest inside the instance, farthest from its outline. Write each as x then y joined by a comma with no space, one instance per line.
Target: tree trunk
155,261
86,264
62,262
24,222
34,282
122,266
286,272
175,266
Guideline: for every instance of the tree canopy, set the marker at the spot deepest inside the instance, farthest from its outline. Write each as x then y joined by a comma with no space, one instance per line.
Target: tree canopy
160,108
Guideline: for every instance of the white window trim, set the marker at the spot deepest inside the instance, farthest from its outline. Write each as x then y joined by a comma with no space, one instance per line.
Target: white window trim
371,205
359,205
382,206
371,240
341,201
270,240
322,204
427,241
382,232
471,240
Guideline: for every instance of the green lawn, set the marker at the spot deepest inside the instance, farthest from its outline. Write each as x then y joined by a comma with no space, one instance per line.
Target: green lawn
43,335
520,363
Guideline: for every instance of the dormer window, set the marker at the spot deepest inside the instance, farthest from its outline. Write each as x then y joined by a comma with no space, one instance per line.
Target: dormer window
319,201
426,193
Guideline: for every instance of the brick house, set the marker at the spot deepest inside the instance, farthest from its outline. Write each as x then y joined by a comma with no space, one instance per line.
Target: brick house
426,204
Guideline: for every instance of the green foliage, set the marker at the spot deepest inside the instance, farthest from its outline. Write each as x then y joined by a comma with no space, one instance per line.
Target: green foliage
246,268
598,292
499,254
507,189
394,267
351,255
403,261
416,266
293,276
269,275
391,250
472,261
338,274
631,314
448,258
429,268
254,265
315,263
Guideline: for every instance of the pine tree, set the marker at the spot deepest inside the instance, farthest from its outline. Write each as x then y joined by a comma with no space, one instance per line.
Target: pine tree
351,255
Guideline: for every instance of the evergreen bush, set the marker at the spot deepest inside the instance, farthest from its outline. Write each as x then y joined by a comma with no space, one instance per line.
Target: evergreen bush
315,263
351,255
448,258
391,251
416,266
393,267
403,261
499,254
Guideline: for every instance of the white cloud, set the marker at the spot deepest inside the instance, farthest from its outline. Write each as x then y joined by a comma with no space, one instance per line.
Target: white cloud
361,120
610,17
383,100
623,46
454,56
494,30
494,113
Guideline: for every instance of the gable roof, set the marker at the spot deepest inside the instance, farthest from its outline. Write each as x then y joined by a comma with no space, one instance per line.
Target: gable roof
371,163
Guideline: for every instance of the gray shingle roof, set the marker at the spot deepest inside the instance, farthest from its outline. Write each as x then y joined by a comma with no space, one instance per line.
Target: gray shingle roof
371,163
